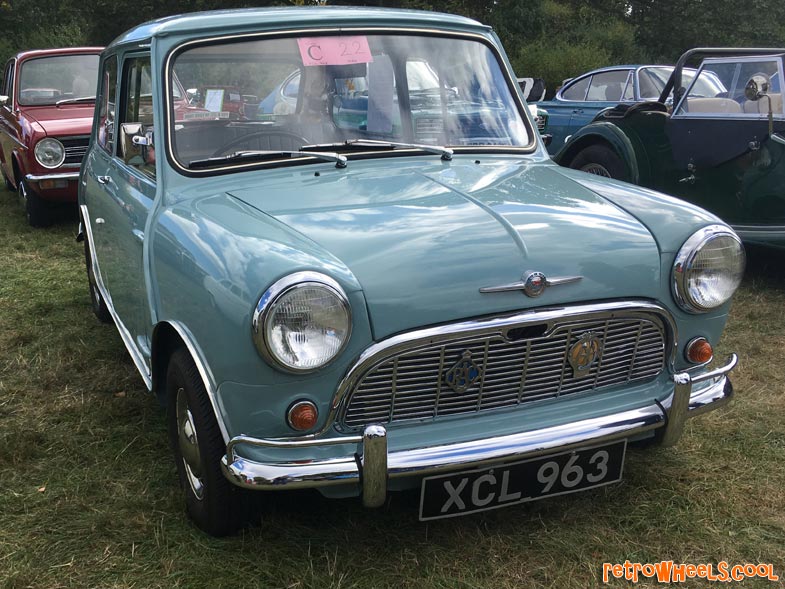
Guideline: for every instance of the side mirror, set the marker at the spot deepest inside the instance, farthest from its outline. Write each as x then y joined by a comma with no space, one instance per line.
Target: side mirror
137,144
757,87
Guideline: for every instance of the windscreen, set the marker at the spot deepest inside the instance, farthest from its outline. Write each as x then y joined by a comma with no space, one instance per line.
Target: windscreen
46,80
286,93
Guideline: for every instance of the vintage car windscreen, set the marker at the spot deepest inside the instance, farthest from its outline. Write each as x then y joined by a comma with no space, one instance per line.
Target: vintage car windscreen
46,80
398,88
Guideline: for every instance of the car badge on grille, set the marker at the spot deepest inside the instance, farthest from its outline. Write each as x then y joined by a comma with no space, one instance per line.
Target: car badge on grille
533,284
464,374
584,353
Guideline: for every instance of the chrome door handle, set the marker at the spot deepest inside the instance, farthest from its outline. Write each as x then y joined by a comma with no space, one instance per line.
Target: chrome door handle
103,179
99,221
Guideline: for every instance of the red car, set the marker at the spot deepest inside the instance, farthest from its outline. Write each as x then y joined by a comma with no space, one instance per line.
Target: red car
47,99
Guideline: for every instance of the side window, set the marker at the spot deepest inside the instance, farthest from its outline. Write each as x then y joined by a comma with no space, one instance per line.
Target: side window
136,98
7,87
607,86
577,90
106,113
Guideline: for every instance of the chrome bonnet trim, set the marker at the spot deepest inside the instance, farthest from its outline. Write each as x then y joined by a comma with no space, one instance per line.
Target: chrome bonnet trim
368,463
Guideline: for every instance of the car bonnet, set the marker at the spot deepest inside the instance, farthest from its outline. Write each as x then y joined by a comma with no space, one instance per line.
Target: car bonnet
423,238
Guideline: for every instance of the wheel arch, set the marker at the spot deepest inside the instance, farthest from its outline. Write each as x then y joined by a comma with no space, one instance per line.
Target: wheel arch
601,133
168,336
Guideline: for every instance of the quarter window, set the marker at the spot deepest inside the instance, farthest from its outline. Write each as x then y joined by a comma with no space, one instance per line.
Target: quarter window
106,113
607,86
576,91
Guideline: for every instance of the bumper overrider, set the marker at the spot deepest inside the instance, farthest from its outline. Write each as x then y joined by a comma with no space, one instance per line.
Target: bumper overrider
371,466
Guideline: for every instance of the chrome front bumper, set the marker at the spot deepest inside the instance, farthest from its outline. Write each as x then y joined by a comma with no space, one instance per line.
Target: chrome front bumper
371,466
58,176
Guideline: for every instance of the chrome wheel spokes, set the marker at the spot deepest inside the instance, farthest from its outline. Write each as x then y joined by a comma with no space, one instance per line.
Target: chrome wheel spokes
189,445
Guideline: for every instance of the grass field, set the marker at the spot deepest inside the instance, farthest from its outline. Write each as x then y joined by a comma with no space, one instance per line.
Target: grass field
89,498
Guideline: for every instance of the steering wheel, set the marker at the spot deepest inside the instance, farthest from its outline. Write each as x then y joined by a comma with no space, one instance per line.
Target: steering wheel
265,140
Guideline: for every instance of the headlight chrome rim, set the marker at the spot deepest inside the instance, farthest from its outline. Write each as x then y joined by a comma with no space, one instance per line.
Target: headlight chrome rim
685,259
267,303
41,145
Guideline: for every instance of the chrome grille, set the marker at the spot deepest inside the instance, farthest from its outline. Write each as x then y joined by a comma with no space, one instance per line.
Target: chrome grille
541,120
75,148
518,365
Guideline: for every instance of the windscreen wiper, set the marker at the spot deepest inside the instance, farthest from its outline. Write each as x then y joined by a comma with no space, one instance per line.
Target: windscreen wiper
73,100
364,144
260,156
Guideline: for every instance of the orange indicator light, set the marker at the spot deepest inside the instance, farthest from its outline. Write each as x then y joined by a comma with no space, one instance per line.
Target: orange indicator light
699,351
302,415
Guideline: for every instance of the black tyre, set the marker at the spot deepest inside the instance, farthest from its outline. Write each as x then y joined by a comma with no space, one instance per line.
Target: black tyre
601,161
213,503
35,208
96,300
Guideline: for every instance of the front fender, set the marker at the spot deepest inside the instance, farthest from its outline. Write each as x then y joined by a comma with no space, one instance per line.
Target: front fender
600,132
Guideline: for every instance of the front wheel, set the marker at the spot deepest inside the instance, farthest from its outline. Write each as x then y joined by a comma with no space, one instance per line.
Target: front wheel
213,503
600,161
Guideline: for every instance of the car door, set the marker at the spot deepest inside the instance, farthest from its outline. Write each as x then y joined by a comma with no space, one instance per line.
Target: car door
122,197
722,154
134,175
98,190
8,125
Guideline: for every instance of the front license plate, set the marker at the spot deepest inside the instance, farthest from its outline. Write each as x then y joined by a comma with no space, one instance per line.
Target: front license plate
490,488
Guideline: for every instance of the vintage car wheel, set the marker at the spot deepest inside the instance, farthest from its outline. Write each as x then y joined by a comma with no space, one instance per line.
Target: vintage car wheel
96,300
601,161
35,208
216,506
267,140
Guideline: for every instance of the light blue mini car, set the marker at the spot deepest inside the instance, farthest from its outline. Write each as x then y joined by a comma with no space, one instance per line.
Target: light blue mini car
389,285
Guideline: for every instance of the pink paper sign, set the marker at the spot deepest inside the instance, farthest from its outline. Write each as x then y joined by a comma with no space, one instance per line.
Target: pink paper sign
334,50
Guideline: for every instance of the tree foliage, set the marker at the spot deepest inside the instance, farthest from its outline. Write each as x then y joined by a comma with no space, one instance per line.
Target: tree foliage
553,39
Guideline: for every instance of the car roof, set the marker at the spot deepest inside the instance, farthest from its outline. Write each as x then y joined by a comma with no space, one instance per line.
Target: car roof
22,55
218,21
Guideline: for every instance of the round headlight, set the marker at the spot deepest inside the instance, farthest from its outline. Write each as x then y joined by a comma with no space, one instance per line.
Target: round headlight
50,153
302,322
708,269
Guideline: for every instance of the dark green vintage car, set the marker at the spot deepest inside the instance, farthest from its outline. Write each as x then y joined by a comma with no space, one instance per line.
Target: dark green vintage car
724,152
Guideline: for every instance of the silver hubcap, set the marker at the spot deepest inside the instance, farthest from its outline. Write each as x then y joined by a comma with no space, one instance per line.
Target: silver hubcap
597,170
189,445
